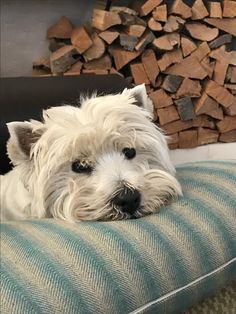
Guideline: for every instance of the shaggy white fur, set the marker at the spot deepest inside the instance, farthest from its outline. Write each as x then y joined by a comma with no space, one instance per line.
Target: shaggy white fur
73,164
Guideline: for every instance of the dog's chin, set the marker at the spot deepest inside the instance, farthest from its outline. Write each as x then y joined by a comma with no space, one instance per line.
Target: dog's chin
117,214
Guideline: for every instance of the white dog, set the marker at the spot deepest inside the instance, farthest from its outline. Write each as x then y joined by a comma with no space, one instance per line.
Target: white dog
104,160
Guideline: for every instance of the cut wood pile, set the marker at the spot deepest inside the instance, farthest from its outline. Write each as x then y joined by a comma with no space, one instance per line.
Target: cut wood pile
183,54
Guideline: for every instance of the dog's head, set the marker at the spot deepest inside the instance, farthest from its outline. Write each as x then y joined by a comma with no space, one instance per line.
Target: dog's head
104,160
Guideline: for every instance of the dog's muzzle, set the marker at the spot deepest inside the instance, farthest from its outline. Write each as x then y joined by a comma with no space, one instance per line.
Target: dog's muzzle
127,200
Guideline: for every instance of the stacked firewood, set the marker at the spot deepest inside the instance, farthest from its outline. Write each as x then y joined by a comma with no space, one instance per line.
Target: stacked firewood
183,55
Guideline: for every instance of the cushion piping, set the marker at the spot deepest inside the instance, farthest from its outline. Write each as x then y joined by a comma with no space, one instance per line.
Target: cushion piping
169,294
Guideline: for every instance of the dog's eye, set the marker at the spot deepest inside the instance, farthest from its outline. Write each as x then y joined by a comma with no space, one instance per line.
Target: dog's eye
129,153
80,167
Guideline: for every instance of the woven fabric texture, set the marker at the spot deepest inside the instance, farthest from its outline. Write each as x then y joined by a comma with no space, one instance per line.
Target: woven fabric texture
162,263
224,302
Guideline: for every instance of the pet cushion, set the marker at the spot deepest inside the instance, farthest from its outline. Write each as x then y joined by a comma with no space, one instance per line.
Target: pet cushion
162,263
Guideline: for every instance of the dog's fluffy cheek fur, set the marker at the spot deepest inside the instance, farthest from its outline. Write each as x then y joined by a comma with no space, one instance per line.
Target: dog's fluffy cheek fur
75,197
156,188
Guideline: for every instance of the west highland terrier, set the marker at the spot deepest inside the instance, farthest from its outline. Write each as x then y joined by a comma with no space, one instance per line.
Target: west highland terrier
105,160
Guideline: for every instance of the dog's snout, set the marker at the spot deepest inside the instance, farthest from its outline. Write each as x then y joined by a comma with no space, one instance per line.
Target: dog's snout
128,200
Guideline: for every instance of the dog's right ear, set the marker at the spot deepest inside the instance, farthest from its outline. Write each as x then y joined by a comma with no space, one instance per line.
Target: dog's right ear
139,93
22,137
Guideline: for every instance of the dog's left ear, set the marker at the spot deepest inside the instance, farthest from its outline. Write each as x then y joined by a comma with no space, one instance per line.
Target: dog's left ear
140,94
22,137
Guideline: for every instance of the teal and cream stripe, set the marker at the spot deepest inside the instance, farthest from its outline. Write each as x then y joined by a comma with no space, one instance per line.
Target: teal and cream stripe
162,263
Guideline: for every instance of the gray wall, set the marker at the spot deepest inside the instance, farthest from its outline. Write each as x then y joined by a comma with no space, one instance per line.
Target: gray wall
23,29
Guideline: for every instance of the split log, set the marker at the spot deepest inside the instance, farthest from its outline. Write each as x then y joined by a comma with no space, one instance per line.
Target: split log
231,110
216,113
150,65
208,66
227,25
188,67
62,29
55,44
219,93
138,73
188,139
228,137
135,30
160,13
185,108
96,50
204,121
201,52
109,36
199,10
72,73
171,83
220,53
205,104
81,39
103,63
215,9
62,59
173,141
221,40
228,74
170,58
220,71
176,126
167,114
102,19
129,19
114,71
159,80
207,136
136,5
148,6
41,72
154,25
167,42
182,9
232,87
233,75
187,46
128,42
75,69
144,40
229,8
120,9
97,72
160,99
42,63
149,89
227,124
201,31
174,23
123,57
190,88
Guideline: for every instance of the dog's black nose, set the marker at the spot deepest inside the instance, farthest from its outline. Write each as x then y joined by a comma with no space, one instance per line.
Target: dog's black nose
128,200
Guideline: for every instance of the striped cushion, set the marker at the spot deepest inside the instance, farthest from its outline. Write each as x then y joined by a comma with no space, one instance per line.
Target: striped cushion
162,263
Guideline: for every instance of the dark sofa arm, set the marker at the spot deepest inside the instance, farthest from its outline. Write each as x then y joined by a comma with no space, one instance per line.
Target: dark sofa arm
23,98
